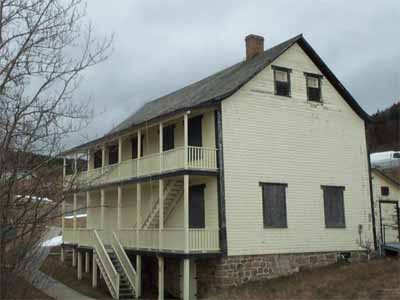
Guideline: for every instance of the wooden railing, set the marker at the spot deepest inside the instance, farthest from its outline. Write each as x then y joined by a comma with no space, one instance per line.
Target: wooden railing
203,158
69,236
111,272
84,237
168,239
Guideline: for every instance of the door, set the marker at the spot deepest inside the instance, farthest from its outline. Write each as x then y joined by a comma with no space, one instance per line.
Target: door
196,206
195,137
389,220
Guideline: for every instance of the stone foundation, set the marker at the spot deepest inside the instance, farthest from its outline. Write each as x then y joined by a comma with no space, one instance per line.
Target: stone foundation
232,271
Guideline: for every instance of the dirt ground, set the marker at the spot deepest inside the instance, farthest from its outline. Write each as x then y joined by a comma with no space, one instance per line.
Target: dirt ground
24,290
66,274
376,279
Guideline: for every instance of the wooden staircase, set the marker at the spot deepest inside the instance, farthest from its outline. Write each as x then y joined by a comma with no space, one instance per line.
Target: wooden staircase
173,192
115,266
125,289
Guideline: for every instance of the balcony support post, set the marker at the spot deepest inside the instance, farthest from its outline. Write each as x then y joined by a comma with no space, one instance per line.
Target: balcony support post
138,276
63,217
76,163
74,210
64,167
103,157
88,159
79,265
94,271
186,279
102,207
74,257
186,210
119,207
62,256
139,151
161,145
87,257
138,212
119,150
185,139
161,212
160,278
87,209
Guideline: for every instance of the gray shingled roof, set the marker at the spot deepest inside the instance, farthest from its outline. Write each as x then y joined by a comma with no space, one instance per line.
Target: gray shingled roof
212,88
223,84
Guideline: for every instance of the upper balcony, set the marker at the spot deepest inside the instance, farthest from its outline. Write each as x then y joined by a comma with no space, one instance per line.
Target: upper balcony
186,142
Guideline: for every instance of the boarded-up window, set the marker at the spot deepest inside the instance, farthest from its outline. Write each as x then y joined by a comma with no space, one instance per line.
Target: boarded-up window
282,81
112,154
97,159
334,206
274,205
313,87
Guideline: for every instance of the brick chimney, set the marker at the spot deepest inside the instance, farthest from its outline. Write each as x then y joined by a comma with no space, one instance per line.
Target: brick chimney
254,45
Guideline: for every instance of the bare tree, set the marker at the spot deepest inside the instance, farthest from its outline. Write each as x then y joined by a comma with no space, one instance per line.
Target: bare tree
45,45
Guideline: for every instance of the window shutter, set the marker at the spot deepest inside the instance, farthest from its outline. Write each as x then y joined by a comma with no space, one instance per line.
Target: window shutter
274,205
334,207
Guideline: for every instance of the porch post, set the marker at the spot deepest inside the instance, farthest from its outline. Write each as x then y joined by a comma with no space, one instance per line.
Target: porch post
94,271
119,207
139,151
64,166
74,209
88,159
186,210
185,139
103,157
79,265
76,163
74,257
138,276
102,207
87,257
161,212
138,212
87,208
161,145
160,278
119,150
186,279
62,254
63,217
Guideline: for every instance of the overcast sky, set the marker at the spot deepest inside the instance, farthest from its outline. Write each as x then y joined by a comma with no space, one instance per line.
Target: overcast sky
160,46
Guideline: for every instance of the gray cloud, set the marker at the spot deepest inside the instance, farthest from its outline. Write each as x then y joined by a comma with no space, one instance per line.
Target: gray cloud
161,46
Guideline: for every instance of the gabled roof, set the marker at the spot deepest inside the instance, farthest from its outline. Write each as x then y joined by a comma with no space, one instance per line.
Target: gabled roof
223,84
213,88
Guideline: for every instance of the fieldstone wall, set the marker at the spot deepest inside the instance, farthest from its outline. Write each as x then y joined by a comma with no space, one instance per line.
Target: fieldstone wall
231,271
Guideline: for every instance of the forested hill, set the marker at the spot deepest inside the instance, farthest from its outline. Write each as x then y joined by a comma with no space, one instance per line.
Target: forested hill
384,133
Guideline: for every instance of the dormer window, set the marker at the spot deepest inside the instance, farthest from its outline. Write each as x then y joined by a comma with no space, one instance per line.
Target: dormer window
282,81
313,87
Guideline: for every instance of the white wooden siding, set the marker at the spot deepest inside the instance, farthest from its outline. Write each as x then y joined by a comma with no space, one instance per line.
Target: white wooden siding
269,138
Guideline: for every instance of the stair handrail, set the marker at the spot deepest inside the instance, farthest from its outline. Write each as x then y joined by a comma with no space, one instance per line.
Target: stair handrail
170,209
108,266
155,204
124,261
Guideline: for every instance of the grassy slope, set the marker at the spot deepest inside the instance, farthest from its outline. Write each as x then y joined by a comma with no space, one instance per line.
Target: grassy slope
378,279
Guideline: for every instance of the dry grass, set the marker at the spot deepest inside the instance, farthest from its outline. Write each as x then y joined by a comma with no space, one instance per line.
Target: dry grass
377,279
